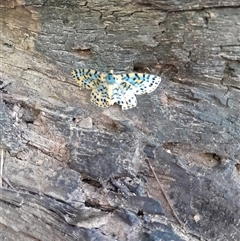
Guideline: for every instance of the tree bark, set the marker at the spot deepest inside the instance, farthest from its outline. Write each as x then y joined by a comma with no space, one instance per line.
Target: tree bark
166,170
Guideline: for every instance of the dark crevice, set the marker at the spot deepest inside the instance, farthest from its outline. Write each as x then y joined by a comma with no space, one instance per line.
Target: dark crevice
238,167
139,69
86,53
234,87
91,204
8,45
202,8
212,156
92,182
140,213
94,204
165,8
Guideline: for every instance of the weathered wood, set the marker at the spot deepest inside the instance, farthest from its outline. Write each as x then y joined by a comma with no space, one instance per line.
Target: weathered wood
73,171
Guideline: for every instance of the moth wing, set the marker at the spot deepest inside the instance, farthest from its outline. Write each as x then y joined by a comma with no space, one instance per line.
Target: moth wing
103,95
142,83
129,100
125,96
88,78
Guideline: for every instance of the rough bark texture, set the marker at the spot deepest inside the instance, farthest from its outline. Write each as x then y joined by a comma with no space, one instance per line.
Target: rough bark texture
73,171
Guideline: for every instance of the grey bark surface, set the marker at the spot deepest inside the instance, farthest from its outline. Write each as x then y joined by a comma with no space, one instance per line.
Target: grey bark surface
74,171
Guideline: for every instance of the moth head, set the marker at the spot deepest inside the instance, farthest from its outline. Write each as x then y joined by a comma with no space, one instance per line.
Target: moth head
110,78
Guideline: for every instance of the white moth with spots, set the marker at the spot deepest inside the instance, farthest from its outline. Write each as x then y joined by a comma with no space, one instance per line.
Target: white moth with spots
108,88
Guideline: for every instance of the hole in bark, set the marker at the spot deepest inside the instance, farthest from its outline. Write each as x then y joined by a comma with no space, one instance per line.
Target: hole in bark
91,204
29,115
143,3
140,68
213,157
140,213
206,19
83,52
65,21
94,204
8,45
92,182
238,167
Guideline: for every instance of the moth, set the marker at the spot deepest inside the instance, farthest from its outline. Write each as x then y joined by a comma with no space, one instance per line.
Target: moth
110,88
